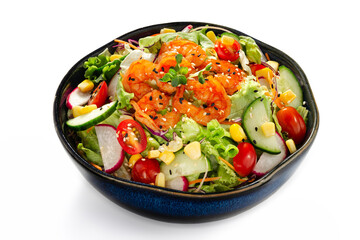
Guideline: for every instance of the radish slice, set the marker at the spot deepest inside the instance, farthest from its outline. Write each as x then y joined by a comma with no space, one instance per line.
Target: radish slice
268,161
112,153
77,98
179,183
113,85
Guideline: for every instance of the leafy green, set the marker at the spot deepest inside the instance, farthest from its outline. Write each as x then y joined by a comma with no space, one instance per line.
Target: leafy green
123,96
89,146
189,130
100,68
91,155
228,176
249,91
215,187
151,144
176,74
303,113
113,119
153,43
251,49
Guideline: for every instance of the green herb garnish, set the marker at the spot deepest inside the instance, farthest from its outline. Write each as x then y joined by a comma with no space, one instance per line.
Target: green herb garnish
176,74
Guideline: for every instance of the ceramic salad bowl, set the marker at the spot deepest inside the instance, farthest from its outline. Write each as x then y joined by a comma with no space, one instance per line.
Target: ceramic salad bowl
172,205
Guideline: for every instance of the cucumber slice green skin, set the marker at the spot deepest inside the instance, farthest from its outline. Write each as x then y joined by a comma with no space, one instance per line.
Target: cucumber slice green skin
257,113
289,81
184,166
92,118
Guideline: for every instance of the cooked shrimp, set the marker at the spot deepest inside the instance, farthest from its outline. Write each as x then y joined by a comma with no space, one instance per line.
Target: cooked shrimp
137,77
148,111
190,50
142,77
227,74
214,102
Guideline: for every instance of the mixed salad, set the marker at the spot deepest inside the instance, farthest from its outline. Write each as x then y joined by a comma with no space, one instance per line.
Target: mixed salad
192,110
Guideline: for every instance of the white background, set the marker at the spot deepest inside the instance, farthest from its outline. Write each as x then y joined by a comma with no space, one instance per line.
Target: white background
43,196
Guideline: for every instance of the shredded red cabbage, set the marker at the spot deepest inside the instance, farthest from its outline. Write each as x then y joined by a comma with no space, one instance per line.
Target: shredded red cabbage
134,42
119,45
159,134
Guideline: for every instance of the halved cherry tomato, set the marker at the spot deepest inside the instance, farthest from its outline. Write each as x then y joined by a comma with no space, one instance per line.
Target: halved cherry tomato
227,52
145,170
244,162
254,67
99,95
131,136
292,123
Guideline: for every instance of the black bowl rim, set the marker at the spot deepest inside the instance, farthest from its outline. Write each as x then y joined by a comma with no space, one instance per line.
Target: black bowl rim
257,183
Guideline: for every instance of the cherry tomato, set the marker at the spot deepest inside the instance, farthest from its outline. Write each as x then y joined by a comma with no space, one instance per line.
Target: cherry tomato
131,136
244,162
292,123
99,95
227,52
145,170
254,67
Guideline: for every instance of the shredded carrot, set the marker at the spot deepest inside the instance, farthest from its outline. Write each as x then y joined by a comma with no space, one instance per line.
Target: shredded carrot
121,41
241,180
279,103
204,180
267,56
97,166
89,129
227,163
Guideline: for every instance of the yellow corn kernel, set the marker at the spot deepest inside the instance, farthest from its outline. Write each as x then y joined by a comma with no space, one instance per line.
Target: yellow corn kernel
287,97
268,129
265,73
76,111
80,110
167,30
211,35
273,64
114,56
291,145
237,133
88,108
160,180
86,86
193,150
167,157
226,40
133,159
153,154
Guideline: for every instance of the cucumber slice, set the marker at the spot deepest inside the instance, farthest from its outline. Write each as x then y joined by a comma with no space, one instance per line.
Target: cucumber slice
257,113
92,118
234,36
288,81
184,166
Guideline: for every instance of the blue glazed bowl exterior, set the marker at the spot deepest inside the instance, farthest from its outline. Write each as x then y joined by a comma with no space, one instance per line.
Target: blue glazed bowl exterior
171,205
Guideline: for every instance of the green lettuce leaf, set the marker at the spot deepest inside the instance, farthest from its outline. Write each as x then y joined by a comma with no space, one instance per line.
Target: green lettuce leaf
151,144
250,90
251,49
123,97
89,146
153,43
